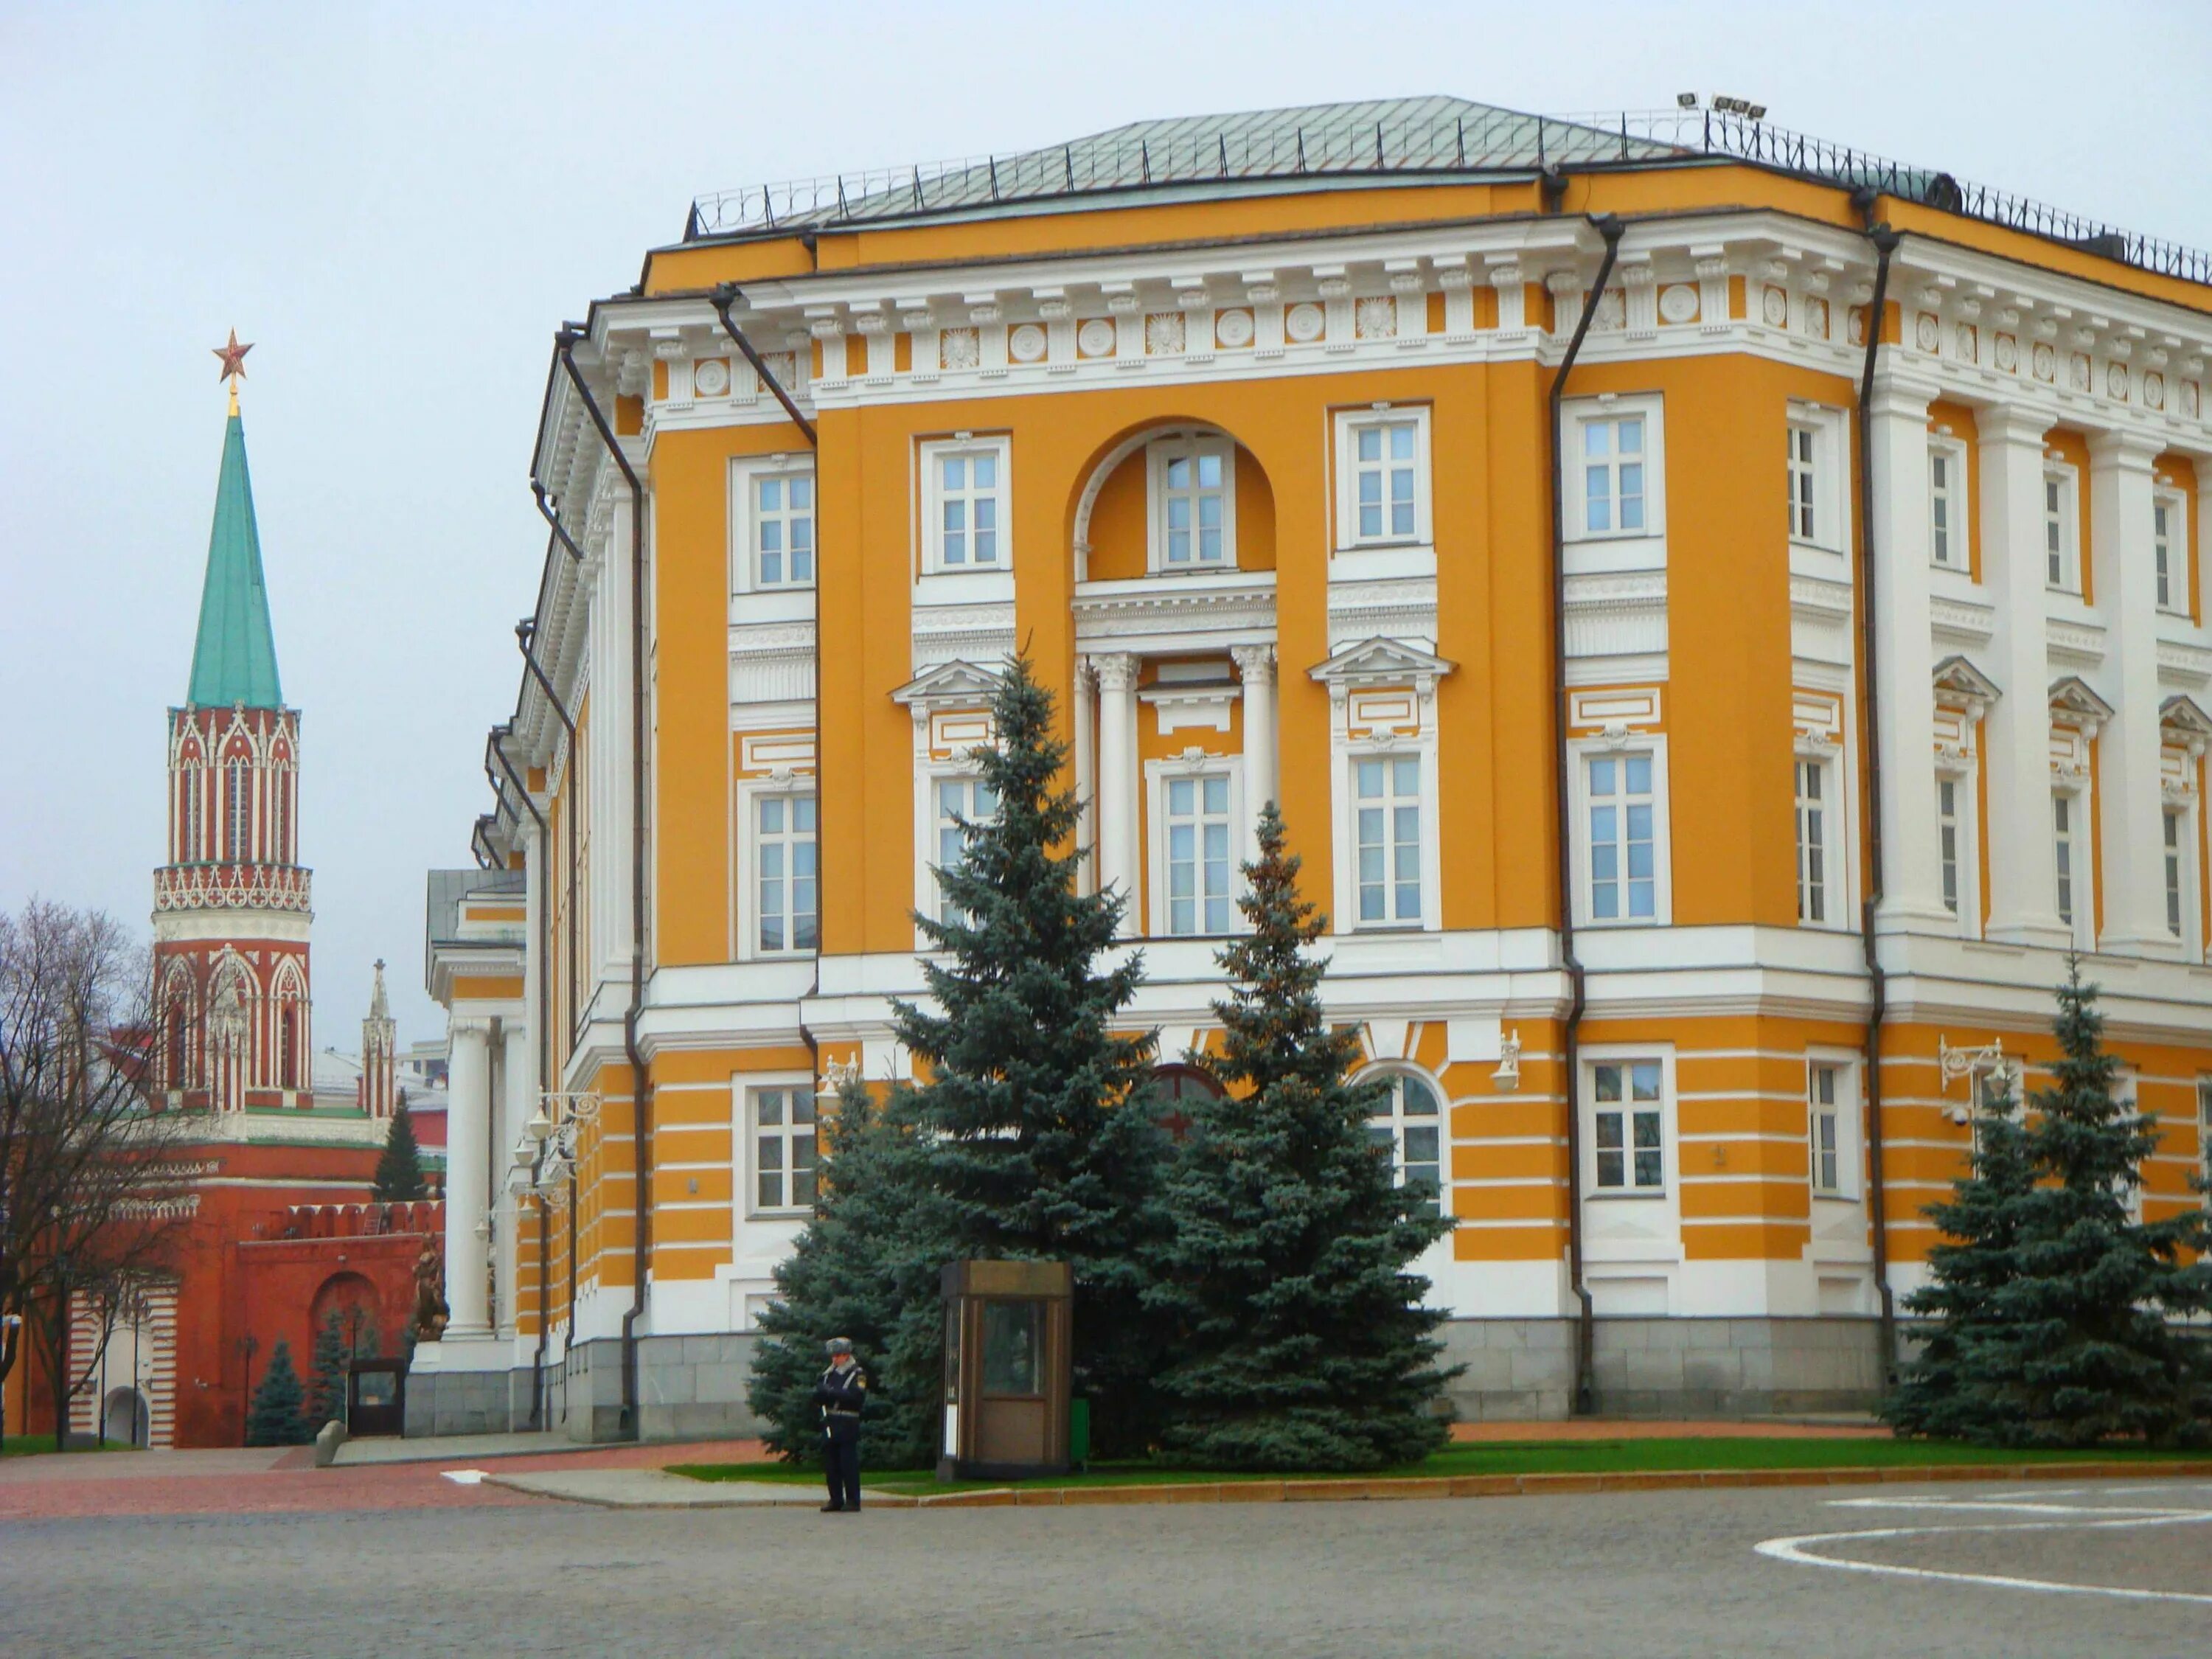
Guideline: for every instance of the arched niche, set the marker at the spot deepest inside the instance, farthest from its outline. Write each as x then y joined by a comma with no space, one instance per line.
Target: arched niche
1112,528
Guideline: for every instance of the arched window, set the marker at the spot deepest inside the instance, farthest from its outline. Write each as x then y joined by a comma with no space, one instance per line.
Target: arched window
176,1068
188,815
1408,1123
287,1047
238,783
1170,1087
276,817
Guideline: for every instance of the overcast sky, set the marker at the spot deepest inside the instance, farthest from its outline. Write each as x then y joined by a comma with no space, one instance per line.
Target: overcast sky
398,204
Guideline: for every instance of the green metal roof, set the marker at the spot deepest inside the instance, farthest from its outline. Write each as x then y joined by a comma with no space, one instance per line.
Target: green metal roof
234,660
1210,155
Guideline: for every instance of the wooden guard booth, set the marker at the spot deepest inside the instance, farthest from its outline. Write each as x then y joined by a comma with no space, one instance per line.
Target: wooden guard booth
1009,1339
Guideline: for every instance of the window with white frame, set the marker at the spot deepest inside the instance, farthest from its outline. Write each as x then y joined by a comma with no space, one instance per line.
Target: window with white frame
1386,807
1628,1126
2065,814
965,506
1407,1123
1193,481
237,800
783,528
2169,537
1615,475
956,802
2204,1136
1621,840
1804,475
1195,819
1815,836
1949,827
780,1127
1383,478
1946,527
1995,1091
2174,827
785,884
2061,531
1827,1107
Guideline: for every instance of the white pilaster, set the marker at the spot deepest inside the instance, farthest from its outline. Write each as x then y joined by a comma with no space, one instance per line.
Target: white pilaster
1255,665
2023,869
1117,782
2130,830
1913,895
468,1128
1086,779
518,1073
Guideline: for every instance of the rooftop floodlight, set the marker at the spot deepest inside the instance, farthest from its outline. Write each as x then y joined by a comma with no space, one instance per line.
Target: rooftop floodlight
1727,105
1757,111
1685,100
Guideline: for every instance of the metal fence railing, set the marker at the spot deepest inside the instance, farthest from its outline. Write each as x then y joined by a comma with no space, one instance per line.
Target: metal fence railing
1493,140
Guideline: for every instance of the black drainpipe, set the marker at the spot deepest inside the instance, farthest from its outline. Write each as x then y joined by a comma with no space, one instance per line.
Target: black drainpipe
1585,1396
724,298
1884,241
641,1084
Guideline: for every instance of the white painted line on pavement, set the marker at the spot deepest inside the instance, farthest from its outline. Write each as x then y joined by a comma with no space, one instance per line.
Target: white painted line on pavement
1797,1552
464,1477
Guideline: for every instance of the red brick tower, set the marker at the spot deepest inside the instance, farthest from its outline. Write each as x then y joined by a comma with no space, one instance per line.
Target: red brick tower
231,906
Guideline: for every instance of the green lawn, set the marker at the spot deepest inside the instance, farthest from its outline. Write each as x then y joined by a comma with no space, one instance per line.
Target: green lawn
1514,1457
30,1445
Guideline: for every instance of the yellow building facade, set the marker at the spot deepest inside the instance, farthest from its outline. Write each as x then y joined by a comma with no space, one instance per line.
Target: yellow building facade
1637,561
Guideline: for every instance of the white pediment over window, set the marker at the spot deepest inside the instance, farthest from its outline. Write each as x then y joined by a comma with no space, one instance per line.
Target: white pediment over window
1958,682
1382,662
955,684
2185,725
2074,702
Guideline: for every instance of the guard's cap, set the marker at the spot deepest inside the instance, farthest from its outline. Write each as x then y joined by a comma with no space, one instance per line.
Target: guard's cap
838,1345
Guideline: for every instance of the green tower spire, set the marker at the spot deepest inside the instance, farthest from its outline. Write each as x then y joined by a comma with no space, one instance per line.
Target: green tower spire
235,659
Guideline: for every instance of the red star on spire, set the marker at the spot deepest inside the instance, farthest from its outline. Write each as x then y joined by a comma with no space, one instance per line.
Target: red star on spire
234,358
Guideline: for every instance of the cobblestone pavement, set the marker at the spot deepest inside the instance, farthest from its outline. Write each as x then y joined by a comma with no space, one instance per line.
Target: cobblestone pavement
1647,1574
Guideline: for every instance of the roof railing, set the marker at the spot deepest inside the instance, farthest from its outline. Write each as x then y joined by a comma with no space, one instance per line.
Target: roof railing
1493,141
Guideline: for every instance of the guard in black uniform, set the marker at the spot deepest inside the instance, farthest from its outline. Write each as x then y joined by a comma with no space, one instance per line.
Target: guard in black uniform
842,1393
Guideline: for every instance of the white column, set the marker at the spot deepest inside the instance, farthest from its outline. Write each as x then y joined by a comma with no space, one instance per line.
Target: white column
1912,894
1255,665
2023,869
518,1069
2129,807
1117,782
468,1126
1086,780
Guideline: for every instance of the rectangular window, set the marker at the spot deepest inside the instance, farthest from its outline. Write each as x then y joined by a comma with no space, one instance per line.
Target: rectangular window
1198,861
957,798
1629,1127
967,507
238,782
1612,476
1623,861
2168,520
1387,806
1385,461
2059,532
784,867
1194,482
783,530
783,1149
2062,812
2173,883
1946,830
2204,1134
1802,477
1812,858
1945,545
1823,1105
